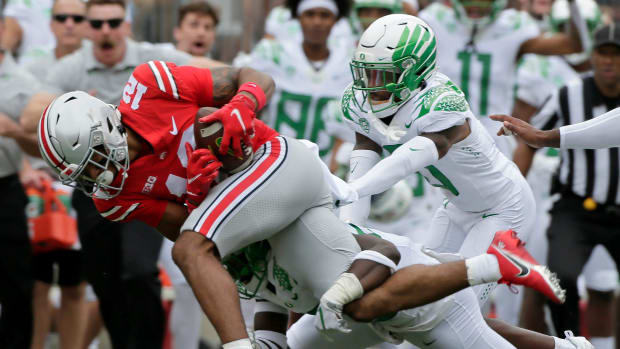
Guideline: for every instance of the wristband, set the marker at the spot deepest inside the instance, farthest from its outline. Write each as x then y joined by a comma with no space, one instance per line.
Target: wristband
256,91
377,258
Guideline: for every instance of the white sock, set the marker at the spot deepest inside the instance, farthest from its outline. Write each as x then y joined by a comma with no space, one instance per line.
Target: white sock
482,269
603,342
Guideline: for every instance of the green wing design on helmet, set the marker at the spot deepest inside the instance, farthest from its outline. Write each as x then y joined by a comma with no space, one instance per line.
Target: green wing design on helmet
396,54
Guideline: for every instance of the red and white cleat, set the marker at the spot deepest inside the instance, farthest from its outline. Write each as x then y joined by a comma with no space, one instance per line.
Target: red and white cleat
518,267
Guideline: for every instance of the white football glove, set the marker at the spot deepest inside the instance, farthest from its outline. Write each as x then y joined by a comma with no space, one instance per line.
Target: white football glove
329,317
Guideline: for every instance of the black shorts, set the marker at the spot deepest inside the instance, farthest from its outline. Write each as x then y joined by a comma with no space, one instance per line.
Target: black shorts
69,266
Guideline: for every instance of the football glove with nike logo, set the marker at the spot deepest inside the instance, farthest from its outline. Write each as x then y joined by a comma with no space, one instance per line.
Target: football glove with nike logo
237,119
202,169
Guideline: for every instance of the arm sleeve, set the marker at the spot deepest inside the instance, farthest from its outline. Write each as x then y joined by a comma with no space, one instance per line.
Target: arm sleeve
599,132
360,163
409,158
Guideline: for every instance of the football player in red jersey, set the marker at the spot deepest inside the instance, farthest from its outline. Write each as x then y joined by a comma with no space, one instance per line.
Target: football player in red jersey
91,145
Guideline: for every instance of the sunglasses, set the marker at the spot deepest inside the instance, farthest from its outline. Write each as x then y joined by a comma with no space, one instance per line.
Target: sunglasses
62,18
112,22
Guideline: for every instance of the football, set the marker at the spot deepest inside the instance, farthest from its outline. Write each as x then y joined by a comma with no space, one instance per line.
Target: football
209,136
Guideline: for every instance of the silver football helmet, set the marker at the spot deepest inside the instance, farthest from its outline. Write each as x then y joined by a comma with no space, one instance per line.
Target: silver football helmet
78,130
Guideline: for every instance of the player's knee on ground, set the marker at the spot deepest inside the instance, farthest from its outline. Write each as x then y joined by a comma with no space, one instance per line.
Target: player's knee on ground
189,246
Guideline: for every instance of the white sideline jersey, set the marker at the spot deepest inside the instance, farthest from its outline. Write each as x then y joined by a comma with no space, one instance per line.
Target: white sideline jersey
473,175
283,27
304,95
484,67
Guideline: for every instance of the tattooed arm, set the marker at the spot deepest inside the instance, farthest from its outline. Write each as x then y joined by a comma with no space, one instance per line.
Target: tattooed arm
226,82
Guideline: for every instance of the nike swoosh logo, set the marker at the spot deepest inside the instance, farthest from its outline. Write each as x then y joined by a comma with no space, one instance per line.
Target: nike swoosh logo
189,181
353,168
174,131
524,270
409,124
235,112
489,215
429,342
414,149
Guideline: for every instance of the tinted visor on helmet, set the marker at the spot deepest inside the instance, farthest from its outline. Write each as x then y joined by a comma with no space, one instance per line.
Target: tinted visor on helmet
377,82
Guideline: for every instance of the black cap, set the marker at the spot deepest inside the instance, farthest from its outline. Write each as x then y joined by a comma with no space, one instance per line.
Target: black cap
607,35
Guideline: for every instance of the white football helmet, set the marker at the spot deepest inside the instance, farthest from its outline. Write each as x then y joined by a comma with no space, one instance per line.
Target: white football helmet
77,127
394,57
392,204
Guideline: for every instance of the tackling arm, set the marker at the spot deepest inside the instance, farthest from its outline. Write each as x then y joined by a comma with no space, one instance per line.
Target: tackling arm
408,159
599,132
370,268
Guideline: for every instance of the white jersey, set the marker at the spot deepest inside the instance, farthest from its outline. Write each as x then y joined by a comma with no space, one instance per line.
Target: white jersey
283,27
484,67
538,76
34,18
305,94
473,175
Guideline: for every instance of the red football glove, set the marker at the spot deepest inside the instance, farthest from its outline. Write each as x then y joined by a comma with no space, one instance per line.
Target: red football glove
236,118
202,169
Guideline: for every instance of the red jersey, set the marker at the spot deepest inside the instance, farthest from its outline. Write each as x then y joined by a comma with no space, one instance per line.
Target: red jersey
159,103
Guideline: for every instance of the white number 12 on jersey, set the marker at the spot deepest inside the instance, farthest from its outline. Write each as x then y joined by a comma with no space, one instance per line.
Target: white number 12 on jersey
130,89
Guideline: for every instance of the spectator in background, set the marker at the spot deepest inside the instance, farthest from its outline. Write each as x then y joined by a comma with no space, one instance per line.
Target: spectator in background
16,317
27,33
69,28
120,259
308,73
195,30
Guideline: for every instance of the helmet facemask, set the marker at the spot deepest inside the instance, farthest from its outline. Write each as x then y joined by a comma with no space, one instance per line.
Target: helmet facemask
386,77
77,131
248,267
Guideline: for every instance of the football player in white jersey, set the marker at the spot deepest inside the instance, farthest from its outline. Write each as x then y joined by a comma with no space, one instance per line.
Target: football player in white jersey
294,270
400,103
309,74
479,45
